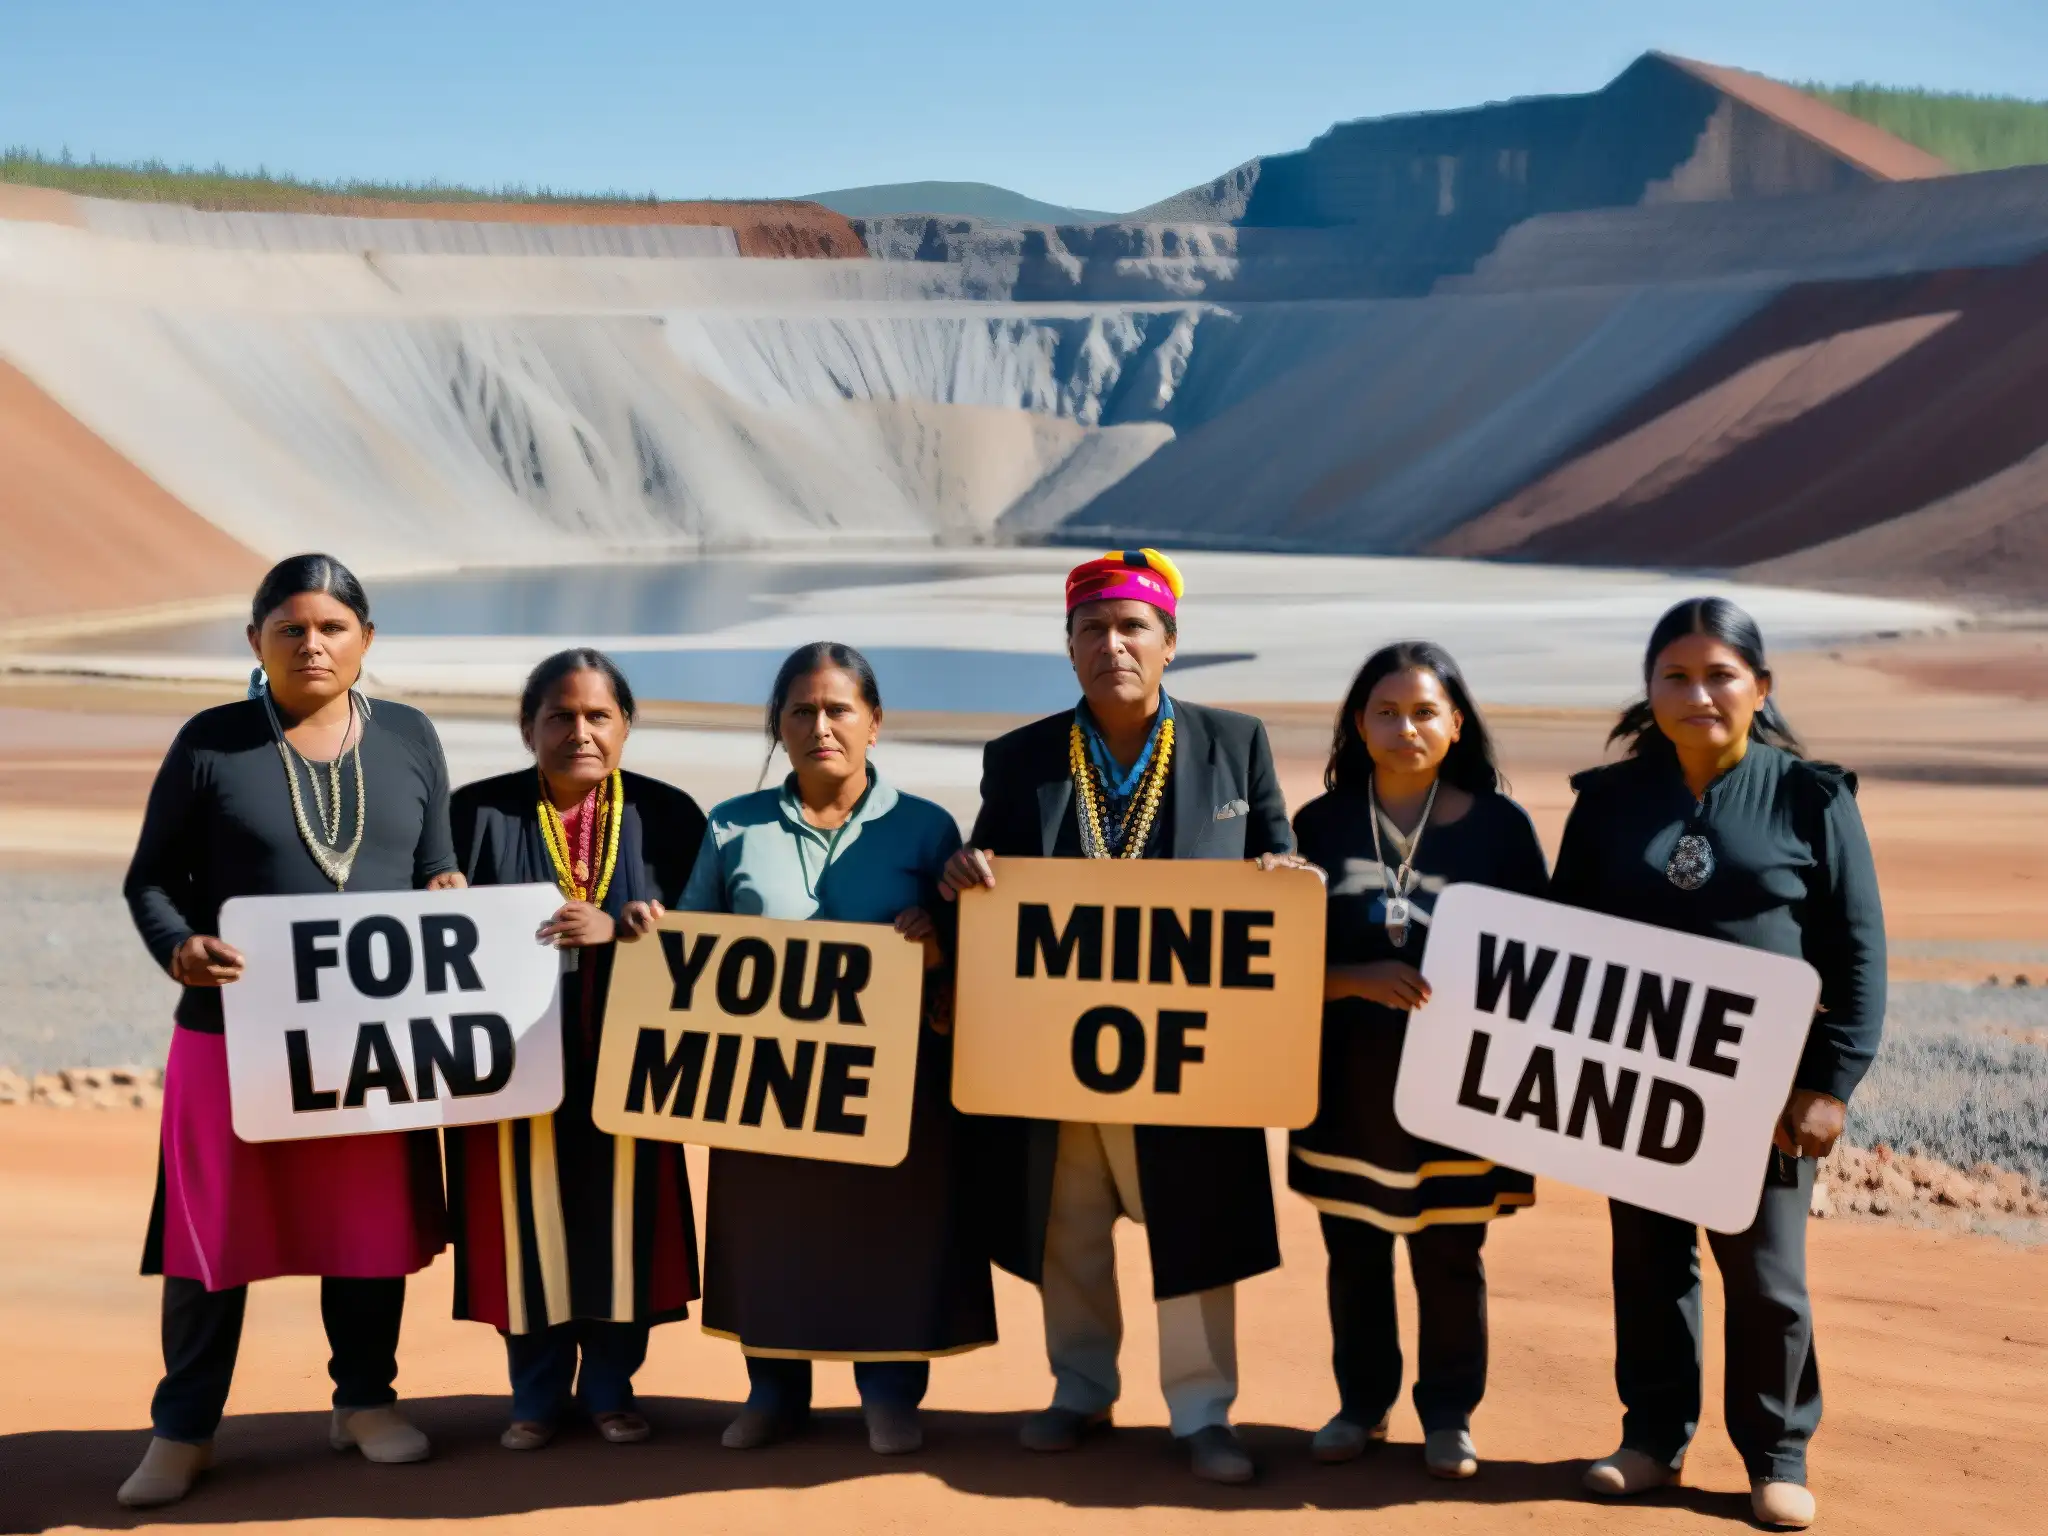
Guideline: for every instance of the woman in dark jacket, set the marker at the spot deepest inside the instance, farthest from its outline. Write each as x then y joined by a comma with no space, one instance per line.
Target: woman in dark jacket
1414,805
568,1241
1715,825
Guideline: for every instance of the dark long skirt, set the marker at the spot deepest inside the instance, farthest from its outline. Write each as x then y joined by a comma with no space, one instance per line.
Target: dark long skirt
841,1261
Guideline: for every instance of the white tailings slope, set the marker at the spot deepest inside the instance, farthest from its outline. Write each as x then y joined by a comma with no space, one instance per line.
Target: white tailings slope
418,410
415,394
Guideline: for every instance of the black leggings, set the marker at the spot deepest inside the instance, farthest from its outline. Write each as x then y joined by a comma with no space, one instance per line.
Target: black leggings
203,1334
1450,1291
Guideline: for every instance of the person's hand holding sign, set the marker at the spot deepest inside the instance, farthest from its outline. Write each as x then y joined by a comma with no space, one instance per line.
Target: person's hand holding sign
1390,983
449,880
204,961
638,920
968,869
1290,861
1811,1124
577,925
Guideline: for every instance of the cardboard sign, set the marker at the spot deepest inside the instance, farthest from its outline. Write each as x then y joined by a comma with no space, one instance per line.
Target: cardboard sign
376,1011
1645,1064
793,1038
1141,992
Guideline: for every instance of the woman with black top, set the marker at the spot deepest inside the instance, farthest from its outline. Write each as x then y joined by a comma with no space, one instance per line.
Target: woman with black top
1415,803
1715,825
305,788
570,1242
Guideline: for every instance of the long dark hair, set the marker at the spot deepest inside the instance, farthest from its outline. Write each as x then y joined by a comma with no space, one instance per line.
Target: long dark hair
543,678
802,662
1718,619
1469,765
296,575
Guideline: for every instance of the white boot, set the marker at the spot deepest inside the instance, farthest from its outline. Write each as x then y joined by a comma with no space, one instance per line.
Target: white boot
1781,1506
1627,1472
169,1469
381,1434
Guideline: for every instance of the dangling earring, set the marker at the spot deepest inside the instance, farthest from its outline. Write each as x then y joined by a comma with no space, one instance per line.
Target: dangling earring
258,682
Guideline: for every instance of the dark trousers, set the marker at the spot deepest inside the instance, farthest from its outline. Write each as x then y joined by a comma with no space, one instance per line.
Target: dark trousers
783,1387
203,1334
1450,1293
544,1371
1772,1396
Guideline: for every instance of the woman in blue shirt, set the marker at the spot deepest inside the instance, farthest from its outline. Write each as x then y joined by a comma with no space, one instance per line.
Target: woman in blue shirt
808,1260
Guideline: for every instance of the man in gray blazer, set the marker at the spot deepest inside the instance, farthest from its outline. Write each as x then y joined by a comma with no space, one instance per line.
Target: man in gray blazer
1130,773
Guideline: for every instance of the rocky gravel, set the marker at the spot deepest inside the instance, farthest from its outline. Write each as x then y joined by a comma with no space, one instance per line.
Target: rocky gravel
76,986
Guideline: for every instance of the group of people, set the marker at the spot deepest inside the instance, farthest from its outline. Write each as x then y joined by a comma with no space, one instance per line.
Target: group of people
573,1243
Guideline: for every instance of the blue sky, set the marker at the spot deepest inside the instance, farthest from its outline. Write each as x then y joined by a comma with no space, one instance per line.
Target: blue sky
1095,103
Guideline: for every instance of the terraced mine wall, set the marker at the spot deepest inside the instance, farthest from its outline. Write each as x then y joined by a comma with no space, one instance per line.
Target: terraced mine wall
422,393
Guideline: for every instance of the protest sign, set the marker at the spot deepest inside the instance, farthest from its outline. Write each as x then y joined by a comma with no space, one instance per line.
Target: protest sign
764,1036
371,1011
1141,992
1640,1062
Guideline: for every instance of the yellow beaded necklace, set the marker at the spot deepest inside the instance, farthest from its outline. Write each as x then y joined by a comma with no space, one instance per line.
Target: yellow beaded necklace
610,806
1135,831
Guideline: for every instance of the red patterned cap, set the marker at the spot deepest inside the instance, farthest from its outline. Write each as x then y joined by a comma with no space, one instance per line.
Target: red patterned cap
1143,574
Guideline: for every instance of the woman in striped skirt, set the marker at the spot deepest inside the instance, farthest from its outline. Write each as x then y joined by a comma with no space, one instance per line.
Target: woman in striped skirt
1414,804
568,1241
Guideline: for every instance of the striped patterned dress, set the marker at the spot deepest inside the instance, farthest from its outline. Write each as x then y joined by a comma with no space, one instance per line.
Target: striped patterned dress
552,1219
1355,1161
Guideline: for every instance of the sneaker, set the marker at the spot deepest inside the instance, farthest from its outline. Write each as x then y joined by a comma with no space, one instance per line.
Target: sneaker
1626,1473
526,1435
756,1427
1217,1456
169,1469
622,1427
382,1434
893,1430
1780,1505
1061,1429
1345,1439
1450,1453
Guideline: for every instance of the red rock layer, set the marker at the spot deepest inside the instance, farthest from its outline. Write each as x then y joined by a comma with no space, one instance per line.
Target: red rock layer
1839,409
84,530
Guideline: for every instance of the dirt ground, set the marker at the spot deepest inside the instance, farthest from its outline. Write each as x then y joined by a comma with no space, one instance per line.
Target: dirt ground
1935,1351
1935,1345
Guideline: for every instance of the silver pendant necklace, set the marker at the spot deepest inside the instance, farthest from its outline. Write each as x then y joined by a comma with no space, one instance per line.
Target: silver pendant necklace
1691,864
334,861
1400,911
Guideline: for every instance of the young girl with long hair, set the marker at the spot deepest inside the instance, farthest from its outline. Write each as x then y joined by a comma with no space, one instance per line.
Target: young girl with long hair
1415,802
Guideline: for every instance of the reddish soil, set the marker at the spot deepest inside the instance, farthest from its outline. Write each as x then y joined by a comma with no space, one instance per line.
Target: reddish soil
776,228
1828,420
1936,1348
85,530
41,205
1862,144
763,229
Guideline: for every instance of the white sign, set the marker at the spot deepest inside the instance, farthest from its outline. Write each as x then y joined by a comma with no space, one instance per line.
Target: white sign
1642,1063
391,1010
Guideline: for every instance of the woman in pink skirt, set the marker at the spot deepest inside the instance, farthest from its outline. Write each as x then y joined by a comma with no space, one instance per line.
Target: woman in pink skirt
304,788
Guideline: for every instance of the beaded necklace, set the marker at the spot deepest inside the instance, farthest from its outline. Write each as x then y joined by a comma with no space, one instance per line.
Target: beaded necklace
1128,839
603,806
324,844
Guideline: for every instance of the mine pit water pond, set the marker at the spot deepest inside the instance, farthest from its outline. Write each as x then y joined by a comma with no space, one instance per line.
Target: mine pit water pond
652,600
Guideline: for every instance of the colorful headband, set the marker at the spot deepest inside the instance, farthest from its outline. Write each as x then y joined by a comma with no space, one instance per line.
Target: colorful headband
1143,574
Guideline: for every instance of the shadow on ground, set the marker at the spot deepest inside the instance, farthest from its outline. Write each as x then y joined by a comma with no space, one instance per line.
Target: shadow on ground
277,1467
